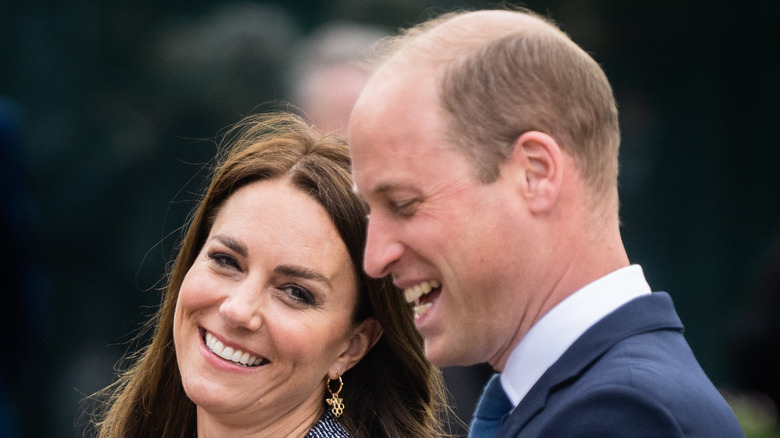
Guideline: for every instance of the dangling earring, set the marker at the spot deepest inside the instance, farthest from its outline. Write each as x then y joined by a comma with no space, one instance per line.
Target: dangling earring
334,400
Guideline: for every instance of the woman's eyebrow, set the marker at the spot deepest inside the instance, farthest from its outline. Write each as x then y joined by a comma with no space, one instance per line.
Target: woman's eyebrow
287,270
232,243
302,272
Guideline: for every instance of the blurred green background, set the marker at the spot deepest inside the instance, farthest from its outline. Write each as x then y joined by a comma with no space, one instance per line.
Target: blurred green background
108,107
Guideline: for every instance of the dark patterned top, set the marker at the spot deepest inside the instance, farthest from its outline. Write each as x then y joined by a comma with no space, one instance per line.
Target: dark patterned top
328,427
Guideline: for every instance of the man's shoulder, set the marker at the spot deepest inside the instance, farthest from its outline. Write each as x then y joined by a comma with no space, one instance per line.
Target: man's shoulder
621,411
632,371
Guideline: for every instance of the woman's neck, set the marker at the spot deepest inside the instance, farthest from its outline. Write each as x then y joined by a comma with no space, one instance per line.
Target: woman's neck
293,424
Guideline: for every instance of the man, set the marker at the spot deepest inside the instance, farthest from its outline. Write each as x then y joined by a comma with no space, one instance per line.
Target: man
486,145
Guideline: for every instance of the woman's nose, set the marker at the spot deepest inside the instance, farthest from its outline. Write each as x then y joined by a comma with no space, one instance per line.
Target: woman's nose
242,308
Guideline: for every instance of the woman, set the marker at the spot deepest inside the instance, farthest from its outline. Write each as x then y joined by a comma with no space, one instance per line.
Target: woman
269,327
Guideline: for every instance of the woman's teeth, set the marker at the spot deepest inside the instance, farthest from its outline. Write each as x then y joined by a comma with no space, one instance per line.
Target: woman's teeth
228,353
413,293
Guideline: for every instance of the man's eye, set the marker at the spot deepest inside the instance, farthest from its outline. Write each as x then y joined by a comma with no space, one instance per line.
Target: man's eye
405,207
299,294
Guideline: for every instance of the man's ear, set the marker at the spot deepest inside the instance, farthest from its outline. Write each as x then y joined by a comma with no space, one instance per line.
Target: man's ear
364,337
536,164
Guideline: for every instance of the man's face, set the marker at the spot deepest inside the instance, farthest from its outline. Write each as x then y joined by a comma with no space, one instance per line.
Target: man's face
433,226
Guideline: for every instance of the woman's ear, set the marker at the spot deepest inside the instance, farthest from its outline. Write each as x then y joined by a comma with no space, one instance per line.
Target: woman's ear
536,165
364,336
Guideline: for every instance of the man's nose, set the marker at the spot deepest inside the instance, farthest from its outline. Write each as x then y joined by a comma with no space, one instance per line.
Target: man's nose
382,248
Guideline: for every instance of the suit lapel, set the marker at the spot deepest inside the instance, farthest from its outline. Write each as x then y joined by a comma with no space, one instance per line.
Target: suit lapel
641,315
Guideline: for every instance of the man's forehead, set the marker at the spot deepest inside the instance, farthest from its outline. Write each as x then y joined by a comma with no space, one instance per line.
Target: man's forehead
381,86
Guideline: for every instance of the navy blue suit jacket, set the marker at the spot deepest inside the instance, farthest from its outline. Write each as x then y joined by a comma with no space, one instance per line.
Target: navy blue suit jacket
630,375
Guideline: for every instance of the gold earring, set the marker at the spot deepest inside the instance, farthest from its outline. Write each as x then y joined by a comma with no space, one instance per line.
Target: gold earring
335,400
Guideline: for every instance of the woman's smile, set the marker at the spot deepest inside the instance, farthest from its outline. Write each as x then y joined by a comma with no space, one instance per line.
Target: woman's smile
232,354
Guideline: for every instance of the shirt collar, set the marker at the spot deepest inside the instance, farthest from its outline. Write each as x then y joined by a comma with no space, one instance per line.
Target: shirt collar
556,331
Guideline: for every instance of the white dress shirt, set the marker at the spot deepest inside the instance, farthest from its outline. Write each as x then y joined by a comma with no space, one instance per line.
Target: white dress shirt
552,335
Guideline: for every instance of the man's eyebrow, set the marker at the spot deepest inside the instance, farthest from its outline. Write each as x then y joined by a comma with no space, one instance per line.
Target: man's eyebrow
304,273
380,190
232,243
384,188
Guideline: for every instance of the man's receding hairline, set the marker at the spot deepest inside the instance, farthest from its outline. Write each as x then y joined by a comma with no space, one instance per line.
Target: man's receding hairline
477,29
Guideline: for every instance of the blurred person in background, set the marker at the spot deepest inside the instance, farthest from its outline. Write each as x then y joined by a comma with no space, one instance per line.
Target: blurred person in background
327,72
268,326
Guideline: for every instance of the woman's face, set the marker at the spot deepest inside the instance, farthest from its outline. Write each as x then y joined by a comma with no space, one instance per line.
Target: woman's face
265,312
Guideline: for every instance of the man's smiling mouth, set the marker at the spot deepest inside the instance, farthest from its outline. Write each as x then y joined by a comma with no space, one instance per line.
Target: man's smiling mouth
419,295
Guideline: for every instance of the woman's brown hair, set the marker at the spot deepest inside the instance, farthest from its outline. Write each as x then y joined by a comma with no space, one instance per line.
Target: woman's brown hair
392,392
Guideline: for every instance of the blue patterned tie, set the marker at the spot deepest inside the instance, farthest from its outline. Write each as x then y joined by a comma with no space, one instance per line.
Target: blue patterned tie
493,408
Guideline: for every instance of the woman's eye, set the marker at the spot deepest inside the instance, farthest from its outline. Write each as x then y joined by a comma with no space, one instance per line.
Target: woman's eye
299,294
224,260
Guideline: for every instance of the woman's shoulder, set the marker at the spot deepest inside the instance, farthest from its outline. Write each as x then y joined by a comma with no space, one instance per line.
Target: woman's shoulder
328,427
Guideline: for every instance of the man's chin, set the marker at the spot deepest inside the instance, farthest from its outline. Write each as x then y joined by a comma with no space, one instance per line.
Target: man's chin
440,353
434,355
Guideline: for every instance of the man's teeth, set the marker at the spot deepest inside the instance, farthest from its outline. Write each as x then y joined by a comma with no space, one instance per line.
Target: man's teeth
228,353
421,309
413,293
